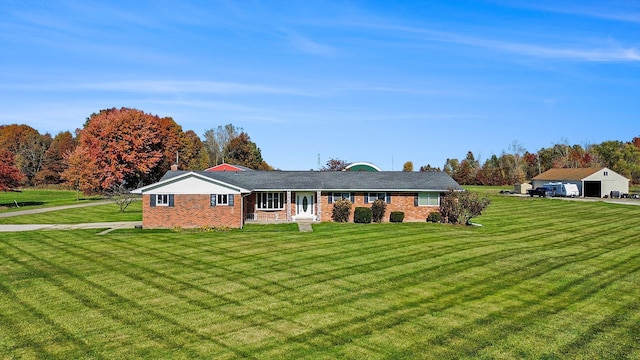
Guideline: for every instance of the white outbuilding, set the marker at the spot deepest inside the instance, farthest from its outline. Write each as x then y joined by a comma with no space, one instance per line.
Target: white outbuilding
592,182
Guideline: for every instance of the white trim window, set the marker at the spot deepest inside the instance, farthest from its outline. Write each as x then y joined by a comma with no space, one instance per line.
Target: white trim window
428,199
270,201
162,199
335,196
373,196
222,199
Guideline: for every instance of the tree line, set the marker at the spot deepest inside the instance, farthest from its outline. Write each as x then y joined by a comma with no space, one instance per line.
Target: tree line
115,148
518,165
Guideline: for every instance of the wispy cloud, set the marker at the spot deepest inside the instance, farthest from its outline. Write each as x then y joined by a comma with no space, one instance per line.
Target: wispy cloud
306,45
607,52
622,11
158,86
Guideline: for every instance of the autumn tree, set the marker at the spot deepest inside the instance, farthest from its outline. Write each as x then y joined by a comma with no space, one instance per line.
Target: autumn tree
28,147
124,144
242,151
334,165
54,165
407,167
194,155
428,167
81,173
10,175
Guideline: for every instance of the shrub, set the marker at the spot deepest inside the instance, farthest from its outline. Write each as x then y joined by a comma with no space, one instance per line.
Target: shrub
341,210
434,217
396,216
362,215
458,207
377,210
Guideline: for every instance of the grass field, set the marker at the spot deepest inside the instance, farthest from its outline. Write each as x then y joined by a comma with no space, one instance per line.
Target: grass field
98,213
541,279
39,198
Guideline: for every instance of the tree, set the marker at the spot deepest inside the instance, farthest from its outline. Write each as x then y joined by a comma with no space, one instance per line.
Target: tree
466,172
216,141
28,147
334,165
81,172
451,166
428,167
124,145
10,175
53,165
459,207
407,167
194,155
242,151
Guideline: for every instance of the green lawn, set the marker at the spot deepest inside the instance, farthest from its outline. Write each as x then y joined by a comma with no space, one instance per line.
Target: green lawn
97,213
38,198
541,279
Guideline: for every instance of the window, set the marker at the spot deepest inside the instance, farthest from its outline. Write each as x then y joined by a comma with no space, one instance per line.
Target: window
429,199
221,199
270,201
340,195
371,197
162,200
606,173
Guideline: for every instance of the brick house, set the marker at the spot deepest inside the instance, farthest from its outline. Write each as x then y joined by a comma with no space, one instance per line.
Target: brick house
224,198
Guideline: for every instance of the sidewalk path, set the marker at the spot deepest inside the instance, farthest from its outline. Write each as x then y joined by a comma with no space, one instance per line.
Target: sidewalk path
53,208
99,225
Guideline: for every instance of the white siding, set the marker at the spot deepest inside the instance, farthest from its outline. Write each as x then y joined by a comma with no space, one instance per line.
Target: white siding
192,185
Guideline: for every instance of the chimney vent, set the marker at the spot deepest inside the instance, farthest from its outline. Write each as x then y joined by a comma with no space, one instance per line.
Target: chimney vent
174,167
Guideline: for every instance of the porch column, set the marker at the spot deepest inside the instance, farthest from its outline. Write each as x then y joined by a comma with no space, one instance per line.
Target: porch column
319,202
289,205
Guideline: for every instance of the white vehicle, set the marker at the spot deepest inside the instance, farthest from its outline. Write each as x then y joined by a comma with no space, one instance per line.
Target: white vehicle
560,189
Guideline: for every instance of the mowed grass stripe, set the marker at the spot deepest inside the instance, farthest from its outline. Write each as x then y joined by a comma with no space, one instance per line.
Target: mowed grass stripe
561,286
82,292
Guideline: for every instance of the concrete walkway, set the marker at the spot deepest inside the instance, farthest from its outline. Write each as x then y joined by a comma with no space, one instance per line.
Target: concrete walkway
304,226
109,226
53,208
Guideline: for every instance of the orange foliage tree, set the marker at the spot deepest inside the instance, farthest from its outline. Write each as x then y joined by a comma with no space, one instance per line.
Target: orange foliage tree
10,175
122,145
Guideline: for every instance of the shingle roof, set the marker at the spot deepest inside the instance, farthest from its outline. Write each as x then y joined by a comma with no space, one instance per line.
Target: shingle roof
567,174
332,180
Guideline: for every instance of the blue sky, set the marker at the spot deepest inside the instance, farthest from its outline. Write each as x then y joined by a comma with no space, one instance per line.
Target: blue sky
379,81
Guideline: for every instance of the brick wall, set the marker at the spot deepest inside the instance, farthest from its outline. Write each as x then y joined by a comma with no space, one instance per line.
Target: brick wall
404,202
190,211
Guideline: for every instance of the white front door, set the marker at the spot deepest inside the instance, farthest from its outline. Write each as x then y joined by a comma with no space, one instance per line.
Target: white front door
304,205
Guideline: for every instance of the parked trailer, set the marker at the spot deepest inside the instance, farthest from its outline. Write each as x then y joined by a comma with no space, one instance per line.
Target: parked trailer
563,189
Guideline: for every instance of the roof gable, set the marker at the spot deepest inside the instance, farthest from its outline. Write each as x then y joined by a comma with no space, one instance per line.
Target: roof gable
574,174
181,182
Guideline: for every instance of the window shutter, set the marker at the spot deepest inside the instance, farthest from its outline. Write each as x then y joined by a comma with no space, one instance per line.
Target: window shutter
388,200
366,198
415,200
230,202
171,200
351,197
212,199
152,200
330,197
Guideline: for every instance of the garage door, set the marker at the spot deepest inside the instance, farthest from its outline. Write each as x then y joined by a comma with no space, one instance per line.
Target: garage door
592,189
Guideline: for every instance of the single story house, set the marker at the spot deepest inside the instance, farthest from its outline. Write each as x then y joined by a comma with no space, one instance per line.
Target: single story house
190,199
591,182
